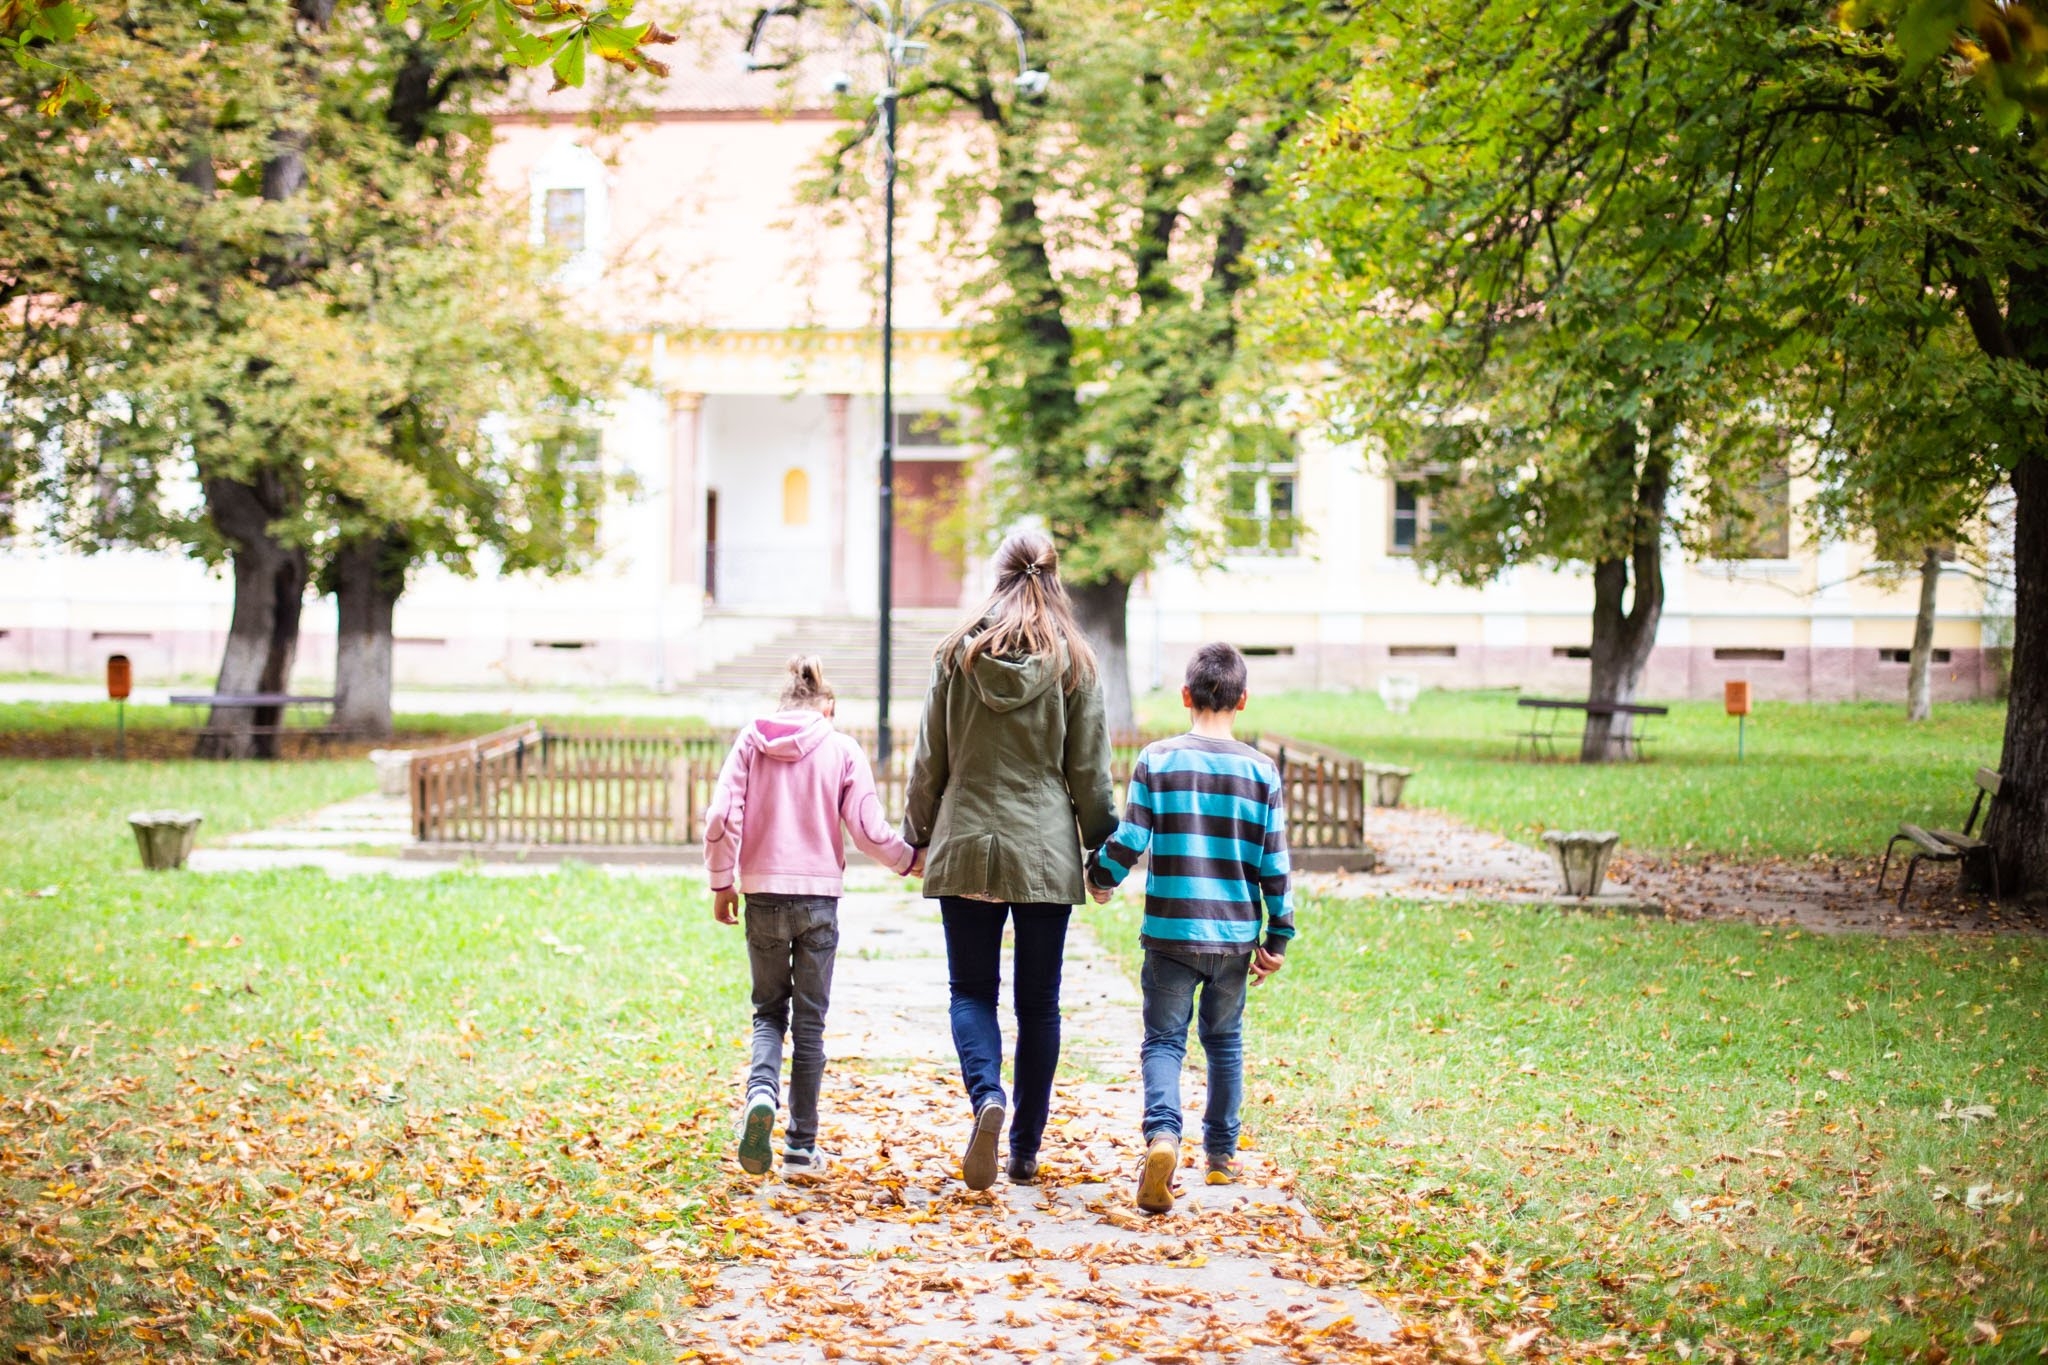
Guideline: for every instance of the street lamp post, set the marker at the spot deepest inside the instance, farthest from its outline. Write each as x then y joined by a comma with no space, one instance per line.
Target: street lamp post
896,30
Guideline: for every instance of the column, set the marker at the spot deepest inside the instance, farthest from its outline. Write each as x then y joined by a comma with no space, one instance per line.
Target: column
686,538
836,407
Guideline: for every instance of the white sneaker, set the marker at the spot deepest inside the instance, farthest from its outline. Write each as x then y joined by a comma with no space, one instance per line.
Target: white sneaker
757,1126
804,1163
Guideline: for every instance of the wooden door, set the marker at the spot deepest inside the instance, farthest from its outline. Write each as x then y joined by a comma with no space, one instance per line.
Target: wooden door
927,558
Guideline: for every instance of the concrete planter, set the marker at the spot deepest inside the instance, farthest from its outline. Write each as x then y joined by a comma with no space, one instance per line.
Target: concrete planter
1581,857
394,770
1399,691
165,836
1385,783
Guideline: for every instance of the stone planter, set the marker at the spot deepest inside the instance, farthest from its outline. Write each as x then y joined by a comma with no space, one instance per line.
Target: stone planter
1385,782
394,770
1581,857
1398,691
165,836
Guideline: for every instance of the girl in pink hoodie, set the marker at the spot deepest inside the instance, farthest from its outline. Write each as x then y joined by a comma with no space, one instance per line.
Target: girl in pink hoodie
772,832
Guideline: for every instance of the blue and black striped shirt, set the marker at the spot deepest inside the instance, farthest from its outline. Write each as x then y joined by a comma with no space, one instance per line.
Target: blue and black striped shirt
1212,814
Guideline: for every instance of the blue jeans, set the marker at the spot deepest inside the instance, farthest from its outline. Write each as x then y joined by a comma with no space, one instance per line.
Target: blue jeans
792,942
974,963
1169,982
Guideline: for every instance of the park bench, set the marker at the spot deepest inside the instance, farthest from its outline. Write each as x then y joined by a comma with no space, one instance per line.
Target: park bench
267,712
1949,845
1540,735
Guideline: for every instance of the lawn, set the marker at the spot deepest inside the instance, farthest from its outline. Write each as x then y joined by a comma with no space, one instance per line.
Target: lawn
1719,1138
389,1118
1831,779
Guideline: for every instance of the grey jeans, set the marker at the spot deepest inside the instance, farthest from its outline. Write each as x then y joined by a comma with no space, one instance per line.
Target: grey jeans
792,941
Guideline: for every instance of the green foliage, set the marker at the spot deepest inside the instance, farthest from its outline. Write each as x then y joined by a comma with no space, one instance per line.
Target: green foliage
558,34
1830,779
382,345
1716,1133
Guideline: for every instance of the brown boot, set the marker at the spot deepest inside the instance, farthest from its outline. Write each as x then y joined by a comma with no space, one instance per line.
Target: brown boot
1155,1178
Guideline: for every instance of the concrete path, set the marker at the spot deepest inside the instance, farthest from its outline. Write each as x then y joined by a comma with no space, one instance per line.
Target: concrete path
892,1258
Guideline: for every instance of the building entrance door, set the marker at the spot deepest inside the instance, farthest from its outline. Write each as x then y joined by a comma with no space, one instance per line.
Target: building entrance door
927,570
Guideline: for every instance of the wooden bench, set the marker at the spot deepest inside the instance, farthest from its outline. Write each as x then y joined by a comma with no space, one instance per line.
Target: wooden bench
1541,736
273,704
1948,845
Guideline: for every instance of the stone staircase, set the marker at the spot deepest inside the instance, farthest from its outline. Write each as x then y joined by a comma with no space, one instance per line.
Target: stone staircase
848,645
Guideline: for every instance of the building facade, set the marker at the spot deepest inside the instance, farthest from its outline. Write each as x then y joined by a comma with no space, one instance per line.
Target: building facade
753,444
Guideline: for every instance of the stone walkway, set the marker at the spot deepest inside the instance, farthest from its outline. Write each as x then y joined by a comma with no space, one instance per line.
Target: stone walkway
892,1258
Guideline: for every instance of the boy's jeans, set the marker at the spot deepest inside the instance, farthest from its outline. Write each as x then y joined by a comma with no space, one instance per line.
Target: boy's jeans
792,941
1170,981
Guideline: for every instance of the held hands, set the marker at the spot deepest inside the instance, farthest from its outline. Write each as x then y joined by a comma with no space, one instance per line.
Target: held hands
1100,894
916,868
1264,964
725,906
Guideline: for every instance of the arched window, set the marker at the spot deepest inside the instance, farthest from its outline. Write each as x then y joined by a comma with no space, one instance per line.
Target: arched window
796,498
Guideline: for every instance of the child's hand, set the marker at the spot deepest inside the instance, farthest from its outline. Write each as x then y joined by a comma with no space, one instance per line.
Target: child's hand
1264,964
1100,894
916,863
725,906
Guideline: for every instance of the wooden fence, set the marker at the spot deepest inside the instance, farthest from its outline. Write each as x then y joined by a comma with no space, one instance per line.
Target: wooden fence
525,786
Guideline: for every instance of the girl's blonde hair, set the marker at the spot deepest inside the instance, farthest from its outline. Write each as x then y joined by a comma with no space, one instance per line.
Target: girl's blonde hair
1028,615
806,685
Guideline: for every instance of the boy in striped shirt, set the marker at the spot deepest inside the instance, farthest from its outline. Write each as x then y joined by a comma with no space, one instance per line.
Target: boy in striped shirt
1210,810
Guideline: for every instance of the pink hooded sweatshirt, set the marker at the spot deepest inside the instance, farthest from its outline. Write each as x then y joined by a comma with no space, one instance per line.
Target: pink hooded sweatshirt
774,818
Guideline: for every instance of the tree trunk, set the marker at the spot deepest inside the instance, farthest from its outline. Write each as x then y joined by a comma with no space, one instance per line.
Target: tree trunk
263,633
1102,611
1623,637
2019,827
368,576
1919,706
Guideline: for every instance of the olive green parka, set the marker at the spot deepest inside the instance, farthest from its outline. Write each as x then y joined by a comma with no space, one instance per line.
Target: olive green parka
1010,780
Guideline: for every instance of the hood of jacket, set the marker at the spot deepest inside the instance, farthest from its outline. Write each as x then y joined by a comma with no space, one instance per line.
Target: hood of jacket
1006,684
790,735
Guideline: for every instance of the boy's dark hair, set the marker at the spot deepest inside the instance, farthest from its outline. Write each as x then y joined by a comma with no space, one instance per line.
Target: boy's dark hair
1216,677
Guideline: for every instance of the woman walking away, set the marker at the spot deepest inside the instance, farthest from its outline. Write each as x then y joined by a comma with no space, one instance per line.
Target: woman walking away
789,783
1011,779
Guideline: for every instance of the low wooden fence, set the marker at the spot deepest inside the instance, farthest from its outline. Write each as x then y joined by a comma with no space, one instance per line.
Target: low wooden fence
525,786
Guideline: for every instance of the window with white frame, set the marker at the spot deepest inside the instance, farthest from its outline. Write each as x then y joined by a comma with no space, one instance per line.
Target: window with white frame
570,208
1259,514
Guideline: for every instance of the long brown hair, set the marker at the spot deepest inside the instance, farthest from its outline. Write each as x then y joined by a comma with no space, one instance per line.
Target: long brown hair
1028,615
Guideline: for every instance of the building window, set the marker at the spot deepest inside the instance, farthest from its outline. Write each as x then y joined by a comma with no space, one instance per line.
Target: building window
564,225
796,498
927,429
1414,517
1758,524
1905,656
1260,517
574,467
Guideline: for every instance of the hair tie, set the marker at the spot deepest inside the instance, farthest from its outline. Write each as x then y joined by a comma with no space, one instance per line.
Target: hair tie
1031,571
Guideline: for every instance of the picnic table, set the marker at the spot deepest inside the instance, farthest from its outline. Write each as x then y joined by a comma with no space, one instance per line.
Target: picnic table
1541,734
267,711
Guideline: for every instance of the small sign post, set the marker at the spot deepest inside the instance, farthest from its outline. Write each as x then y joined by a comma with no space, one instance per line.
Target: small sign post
1735,696
120,682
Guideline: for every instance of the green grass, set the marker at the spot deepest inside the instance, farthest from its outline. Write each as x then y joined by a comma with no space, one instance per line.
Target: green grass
1713,1133
255,1108
1831,779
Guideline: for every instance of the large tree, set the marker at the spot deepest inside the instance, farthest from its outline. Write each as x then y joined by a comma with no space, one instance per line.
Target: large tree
272,269
1103,234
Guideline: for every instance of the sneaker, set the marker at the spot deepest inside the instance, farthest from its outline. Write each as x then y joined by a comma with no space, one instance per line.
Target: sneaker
1222,1170
1023,1169
804,1163
1155,1179
978,1167
757,1124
